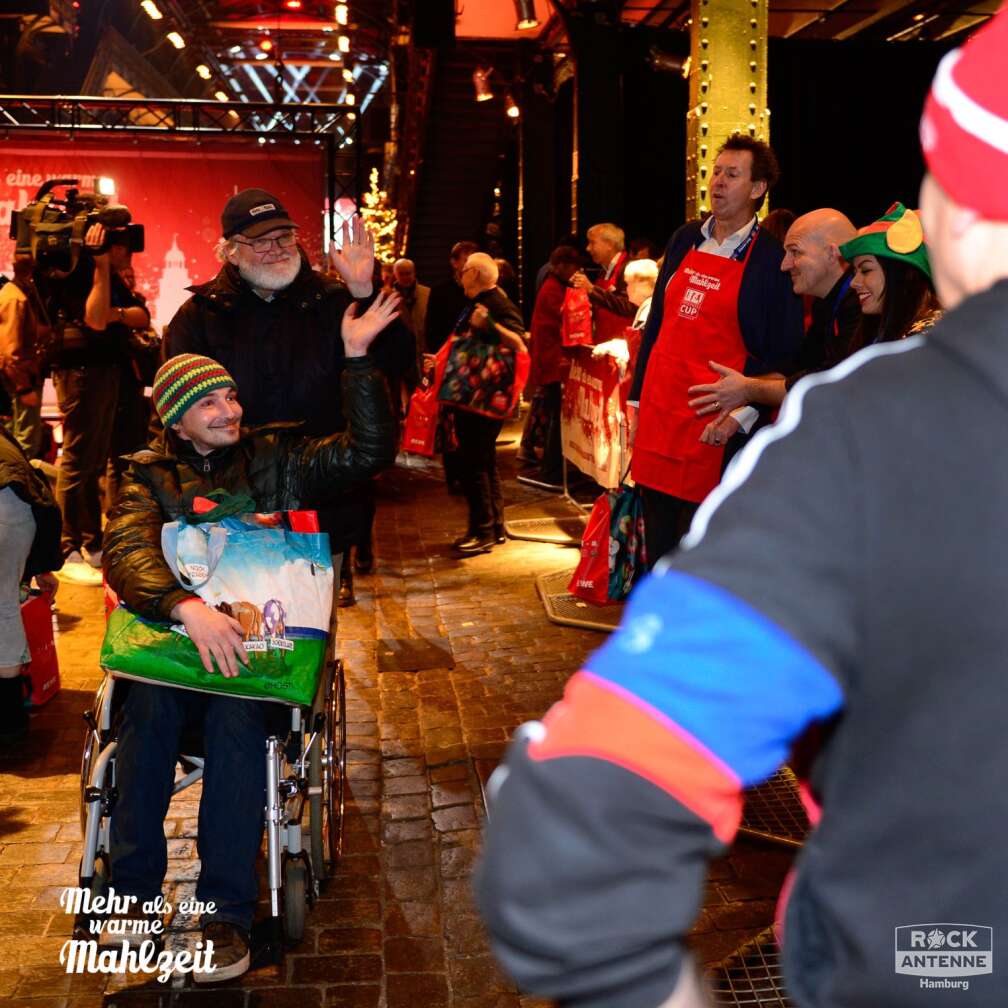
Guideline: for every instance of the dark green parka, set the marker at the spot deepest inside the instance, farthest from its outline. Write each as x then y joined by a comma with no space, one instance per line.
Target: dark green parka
274,465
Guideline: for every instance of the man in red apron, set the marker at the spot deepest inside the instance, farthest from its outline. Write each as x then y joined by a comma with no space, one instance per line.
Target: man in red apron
721,297
612,310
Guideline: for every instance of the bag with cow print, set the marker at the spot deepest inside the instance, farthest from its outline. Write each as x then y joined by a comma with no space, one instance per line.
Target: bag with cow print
272,573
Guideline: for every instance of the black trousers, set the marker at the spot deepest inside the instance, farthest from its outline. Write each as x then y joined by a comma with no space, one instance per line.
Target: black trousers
552,458
87,399
666,520
477,468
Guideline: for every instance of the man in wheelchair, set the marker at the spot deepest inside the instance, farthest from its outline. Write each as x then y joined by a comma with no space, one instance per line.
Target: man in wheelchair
203,449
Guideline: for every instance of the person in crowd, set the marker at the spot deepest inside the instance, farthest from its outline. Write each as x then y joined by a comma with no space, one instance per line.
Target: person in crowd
720,296
778,222
840,577
136,371
892,278
92,308
413,306
447,300
203,448
446,303
611,308
642,248
493,318
818,271
271,321
571,241
507,279
22,315
547,359
29,548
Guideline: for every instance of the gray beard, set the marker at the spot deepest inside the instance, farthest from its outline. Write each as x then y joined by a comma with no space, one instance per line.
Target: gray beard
271,277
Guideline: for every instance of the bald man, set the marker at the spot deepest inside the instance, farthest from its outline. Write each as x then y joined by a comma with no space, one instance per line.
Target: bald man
812,259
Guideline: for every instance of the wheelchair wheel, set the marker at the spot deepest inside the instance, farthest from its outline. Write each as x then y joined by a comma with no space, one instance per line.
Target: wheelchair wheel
326,775
92,748
295,894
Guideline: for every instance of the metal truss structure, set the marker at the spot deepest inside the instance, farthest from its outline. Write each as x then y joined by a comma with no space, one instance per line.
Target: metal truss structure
334,127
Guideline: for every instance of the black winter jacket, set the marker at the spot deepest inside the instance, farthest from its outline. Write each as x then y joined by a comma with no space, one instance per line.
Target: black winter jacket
17,473
276,465
285,355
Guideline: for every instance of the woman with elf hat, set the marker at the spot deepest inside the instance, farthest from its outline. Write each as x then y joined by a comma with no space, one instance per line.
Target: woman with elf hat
892,278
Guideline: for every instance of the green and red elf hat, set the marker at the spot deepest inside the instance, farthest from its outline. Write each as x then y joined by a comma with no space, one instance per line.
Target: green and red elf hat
897,234
182,380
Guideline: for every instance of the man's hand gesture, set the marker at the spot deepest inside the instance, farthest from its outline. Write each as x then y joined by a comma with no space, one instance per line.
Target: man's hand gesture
355,260
359,333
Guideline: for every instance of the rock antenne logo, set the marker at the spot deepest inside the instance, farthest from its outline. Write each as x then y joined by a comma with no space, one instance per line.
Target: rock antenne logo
937,953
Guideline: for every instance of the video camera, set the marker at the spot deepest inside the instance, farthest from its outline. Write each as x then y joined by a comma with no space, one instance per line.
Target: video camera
52,230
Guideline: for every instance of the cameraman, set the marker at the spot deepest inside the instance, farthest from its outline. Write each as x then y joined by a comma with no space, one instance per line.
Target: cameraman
95,311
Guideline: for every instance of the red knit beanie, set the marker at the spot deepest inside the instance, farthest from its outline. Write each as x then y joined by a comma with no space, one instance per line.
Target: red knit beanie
964,130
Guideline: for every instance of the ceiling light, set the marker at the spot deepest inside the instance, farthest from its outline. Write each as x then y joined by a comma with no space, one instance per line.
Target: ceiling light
342,13
350,99
293,5
221,96
235,50
106,186
266,44
262,55
204,71
526,15
152,10
919,17
344,43
481,83
348,75
335,57
511,107
176,40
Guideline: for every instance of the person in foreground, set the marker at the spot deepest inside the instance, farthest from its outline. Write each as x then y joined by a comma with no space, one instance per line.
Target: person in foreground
203,448
837,578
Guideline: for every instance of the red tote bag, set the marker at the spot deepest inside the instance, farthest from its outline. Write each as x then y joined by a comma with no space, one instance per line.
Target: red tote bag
420,429
43,670
590,580
576,319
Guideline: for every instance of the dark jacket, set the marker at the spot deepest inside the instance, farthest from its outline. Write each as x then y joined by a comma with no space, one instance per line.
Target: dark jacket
837,576
285,355
769,311
829,337
503,311
17,473
614,299
278,467
446,302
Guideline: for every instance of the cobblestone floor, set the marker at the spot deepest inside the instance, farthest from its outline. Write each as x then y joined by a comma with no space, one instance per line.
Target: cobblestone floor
397,927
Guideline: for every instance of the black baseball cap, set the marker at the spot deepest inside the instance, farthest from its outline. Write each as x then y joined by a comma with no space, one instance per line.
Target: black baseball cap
253,212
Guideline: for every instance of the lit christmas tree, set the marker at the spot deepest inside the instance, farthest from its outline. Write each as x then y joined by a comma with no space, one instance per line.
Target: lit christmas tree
381,221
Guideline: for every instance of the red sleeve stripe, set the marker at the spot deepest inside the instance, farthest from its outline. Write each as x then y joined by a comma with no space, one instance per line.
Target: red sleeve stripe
597,719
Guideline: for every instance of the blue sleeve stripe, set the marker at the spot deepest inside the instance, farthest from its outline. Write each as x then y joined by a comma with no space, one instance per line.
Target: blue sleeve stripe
712,664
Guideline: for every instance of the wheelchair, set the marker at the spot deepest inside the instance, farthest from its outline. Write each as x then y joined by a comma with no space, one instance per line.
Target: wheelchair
304,801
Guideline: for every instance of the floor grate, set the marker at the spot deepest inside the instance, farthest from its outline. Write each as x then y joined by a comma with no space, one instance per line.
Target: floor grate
751,976
563,608
773,811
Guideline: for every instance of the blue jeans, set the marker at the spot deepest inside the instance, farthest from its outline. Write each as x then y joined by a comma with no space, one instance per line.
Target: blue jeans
231,811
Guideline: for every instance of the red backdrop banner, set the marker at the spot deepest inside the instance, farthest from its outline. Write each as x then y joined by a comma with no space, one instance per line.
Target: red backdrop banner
176,190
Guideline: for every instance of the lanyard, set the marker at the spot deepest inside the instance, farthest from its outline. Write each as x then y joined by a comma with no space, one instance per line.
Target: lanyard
740,253
841,294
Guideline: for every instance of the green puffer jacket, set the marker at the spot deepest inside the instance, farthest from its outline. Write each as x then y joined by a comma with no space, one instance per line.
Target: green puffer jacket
277,467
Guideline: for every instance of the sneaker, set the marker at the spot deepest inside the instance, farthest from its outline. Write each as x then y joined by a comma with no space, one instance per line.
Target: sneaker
130,928
231,956
94,559
76,571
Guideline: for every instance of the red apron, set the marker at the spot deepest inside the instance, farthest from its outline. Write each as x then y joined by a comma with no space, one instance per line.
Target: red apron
609,325
700,324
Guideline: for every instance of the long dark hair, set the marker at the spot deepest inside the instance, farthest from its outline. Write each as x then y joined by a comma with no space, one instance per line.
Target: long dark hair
908,295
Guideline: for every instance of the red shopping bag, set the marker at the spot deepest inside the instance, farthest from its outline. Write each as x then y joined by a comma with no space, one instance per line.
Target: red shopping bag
43,669
590,580
576,318
421,425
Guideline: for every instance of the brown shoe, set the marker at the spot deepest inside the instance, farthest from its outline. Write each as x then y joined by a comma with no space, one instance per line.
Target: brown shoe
230,957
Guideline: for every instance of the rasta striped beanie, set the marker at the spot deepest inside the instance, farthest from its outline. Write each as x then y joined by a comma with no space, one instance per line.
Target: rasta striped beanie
182,380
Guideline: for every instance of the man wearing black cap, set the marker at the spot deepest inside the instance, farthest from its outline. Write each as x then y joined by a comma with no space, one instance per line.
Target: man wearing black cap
274,323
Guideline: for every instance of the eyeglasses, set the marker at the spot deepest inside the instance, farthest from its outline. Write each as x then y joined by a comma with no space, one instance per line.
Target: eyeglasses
262,245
